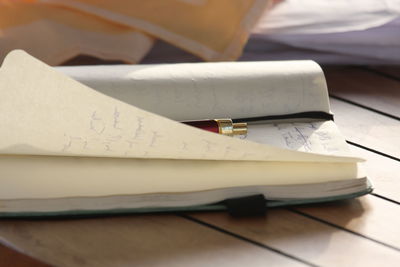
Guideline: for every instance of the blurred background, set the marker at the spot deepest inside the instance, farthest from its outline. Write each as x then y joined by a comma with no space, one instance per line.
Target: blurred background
71,32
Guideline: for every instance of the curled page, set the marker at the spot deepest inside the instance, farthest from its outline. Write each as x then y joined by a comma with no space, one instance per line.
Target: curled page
191,91
43,112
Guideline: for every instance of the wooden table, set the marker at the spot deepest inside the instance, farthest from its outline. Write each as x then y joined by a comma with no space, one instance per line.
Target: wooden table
360,232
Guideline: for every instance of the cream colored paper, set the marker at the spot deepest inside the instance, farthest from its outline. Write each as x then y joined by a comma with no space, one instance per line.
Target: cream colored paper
44,177
43,112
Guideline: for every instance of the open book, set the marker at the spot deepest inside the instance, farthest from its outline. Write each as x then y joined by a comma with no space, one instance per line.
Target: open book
66,148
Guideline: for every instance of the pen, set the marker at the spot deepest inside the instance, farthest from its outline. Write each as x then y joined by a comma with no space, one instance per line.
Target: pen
221,126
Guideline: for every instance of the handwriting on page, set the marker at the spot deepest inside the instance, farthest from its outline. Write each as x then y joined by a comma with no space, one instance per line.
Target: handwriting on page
309,137
318,137
296,136
112,133
107,132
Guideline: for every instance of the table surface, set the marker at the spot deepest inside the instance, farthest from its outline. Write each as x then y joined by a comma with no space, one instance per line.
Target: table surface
358,232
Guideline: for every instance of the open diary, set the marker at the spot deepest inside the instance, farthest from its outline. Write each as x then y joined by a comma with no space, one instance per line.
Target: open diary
107,139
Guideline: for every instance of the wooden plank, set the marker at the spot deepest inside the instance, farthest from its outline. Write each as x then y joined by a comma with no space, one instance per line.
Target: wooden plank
306,238
376,218
383,172
158,240
10,257
366,88
369,216
367,128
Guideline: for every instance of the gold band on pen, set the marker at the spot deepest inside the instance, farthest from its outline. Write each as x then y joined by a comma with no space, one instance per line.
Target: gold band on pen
230,128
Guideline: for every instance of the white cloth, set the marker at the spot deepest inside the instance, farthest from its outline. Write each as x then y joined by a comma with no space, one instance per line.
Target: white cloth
327,16
338,32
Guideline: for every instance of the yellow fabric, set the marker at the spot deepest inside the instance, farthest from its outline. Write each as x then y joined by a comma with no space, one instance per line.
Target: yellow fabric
211,29
55,34
56,30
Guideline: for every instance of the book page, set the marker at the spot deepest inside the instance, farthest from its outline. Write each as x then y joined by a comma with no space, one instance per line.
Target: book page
43,112
321,137
190,91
